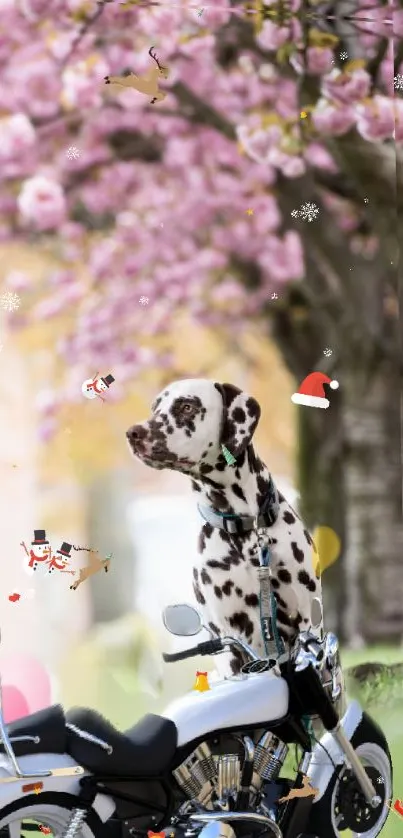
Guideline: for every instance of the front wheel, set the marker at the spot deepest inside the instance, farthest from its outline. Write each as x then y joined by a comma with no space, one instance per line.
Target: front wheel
52,812
343,809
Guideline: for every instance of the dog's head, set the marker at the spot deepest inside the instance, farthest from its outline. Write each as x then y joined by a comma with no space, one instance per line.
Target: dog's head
191,421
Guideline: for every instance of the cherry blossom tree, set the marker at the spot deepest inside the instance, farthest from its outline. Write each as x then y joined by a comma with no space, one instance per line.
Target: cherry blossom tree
295,111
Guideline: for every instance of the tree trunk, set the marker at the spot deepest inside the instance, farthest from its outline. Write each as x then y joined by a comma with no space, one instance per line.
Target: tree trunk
373,498
321,484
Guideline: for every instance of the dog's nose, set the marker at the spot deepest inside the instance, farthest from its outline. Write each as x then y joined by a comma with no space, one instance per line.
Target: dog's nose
135,433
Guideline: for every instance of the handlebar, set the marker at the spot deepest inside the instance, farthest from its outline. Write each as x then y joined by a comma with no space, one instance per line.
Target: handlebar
210,647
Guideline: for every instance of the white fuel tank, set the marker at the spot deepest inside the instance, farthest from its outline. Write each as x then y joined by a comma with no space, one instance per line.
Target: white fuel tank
235,702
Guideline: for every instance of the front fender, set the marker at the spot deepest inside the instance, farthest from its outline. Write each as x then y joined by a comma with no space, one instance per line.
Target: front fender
12,787
321,769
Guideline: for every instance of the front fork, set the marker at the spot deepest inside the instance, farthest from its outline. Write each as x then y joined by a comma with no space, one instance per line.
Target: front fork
309,685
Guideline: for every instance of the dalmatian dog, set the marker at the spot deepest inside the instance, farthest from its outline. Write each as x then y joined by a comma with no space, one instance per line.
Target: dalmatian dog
191,421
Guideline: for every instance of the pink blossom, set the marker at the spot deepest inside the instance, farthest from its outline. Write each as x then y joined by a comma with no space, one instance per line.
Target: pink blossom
317,155
332,118
319,60
36,87
283,258
347,87
42,202
291,165
398,109
82,84
271,36
258,143
17,136
376,120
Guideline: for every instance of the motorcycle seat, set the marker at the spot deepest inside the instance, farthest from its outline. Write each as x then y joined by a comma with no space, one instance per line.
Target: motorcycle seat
47,726
146,749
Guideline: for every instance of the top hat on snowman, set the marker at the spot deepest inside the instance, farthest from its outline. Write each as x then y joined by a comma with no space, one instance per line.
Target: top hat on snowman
311,392
65,550
108,380
39,538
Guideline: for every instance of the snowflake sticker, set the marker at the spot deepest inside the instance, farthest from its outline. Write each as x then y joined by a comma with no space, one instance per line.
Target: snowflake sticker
366,200
274,296
144,301
343,56
307,212
72,152
398,82
9,301
328,352
200,12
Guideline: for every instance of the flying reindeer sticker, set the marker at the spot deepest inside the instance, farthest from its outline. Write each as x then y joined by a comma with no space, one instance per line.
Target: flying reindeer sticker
147,84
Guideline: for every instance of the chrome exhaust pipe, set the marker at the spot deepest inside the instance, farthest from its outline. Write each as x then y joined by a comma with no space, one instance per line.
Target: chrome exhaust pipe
223,817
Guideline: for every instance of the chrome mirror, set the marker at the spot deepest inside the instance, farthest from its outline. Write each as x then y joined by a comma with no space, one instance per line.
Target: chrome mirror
182,620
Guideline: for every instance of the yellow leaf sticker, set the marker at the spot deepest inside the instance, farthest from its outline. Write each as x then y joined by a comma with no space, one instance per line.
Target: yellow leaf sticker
328,545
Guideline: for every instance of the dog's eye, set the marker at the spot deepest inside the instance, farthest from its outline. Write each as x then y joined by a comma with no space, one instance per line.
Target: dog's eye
187,408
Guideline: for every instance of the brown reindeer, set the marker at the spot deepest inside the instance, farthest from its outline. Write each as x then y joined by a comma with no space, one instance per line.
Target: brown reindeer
305,791
94,566
147,84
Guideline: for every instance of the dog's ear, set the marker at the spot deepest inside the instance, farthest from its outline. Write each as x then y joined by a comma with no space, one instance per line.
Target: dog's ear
241,414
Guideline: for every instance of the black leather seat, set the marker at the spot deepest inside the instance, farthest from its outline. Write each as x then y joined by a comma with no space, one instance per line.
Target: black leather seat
145,749
49,728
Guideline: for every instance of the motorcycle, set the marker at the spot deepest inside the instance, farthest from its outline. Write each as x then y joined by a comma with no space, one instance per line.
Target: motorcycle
212,765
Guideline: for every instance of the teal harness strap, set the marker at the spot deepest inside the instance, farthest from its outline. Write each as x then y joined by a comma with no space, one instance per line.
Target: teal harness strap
268,607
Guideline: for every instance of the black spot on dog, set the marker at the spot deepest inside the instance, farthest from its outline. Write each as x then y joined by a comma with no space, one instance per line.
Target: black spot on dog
205,578
198,594
288,517
205,469
255,561
218,500
241,621
252,600
236,662
238,492
218,591
284,575
205,533
225,536
298,554
306,580
283,617
239,415
253,408
195,574
310,540
215,564
227,587
195,487
239,591
280,600
281,498
275,583
214,628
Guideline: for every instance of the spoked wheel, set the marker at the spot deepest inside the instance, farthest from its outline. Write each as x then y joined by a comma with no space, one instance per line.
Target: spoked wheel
343,812
45,815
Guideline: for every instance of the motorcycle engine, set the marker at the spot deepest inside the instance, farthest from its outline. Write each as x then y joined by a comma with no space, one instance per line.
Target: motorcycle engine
213,780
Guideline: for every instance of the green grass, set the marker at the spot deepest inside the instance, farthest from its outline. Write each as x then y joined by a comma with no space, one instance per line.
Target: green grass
382,699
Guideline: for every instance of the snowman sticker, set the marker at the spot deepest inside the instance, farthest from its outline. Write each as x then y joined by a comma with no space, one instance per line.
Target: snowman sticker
61,560
94,387
39,554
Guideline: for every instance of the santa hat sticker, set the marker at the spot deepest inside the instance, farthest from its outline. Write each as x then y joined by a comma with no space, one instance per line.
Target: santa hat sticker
311,392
